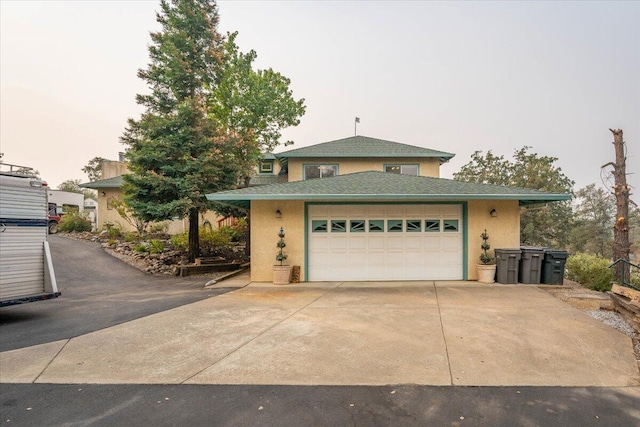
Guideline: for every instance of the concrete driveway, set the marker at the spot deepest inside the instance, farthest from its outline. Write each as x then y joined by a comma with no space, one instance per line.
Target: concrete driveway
427,333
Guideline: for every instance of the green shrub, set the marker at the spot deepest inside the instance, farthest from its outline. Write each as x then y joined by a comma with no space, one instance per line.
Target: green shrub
74,222
212,242
180,241
156,246
141,248
591,271
113,230
131,237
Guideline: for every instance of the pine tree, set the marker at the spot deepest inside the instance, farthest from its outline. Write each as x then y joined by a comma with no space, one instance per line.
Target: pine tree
177,151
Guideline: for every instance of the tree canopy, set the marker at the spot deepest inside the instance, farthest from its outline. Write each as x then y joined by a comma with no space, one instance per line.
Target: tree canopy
93,169
177,153
208,115
547,225
252,105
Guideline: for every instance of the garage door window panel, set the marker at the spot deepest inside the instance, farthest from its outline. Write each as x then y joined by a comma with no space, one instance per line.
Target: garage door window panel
394,225
338,226
414,225
357,226
319,226
432,225
450,225
376,225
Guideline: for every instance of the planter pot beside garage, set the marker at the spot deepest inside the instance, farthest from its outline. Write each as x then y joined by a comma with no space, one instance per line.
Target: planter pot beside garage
281,274
486,273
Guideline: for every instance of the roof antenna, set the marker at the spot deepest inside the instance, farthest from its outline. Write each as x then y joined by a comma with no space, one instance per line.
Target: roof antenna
355,126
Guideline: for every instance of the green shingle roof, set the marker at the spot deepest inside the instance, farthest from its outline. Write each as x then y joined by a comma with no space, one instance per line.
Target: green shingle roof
115,182
362,146
382,186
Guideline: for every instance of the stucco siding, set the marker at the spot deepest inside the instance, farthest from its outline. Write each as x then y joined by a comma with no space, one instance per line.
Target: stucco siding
426,167
264,236
503,230
106,215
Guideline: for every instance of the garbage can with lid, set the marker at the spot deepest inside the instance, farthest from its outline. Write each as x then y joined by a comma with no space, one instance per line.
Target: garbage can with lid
553,266
507,261
530,271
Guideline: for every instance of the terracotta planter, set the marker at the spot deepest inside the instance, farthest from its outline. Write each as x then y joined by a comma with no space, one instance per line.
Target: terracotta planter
486,273
281,274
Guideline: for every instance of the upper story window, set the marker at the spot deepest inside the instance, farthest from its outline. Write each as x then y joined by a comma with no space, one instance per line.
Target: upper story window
320,171
266,167
402,169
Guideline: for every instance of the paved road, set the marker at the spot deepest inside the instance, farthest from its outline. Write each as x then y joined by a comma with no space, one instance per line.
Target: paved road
98,291
283,406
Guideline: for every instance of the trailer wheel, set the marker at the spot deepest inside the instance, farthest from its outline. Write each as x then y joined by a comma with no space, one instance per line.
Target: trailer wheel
53,227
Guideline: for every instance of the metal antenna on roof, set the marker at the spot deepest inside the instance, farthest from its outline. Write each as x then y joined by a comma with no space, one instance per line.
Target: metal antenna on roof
355,126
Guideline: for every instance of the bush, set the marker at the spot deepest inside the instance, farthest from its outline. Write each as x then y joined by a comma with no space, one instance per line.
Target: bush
74,222
113,230
591,271
212,242
156,246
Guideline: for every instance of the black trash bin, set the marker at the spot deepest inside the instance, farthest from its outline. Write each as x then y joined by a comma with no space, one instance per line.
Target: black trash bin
507,261
530,271
553,266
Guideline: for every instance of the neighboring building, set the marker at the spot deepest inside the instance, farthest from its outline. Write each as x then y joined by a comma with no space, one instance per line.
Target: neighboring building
362,208
109,189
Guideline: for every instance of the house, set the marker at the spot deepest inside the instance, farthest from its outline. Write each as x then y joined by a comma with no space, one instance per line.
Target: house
362,208
109,189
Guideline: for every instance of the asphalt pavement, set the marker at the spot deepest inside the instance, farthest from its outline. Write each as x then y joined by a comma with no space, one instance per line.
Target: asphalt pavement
98,291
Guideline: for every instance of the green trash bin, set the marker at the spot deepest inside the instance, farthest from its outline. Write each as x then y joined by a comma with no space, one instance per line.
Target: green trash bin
507,261
530,271
553,266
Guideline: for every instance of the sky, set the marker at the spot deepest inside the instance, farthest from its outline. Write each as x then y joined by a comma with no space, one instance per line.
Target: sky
451,76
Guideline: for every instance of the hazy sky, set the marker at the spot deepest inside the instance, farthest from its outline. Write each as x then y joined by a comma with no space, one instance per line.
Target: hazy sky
456,77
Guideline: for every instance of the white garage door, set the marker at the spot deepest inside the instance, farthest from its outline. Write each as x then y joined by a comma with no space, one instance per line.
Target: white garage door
385,242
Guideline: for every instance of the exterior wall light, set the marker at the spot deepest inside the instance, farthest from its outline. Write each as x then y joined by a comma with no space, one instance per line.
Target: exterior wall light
493,213
102,193
278,214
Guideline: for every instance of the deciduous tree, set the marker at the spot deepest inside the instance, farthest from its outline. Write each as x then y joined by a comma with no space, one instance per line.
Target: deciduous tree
93,169
547,225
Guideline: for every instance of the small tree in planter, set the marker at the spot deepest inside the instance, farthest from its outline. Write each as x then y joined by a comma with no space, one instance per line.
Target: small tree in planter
486,270
281,272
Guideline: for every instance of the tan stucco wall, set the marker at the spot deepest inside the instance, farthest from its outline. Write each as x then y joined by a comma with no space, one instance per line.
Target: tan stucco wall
503,230
113,168
264,236
426,167
111,215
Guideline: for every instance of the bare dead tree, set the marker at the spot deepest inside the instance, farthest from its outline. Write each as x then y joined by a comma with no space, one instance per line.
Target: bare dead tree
621,245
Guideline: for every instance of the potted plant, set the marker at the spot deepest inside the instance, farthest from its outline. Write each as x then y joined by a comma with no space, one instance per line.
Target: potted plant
486,270
281,273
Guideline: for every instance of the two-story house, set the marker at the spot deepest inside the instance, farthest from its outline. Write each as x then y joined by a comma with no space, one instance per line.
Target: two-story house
361,208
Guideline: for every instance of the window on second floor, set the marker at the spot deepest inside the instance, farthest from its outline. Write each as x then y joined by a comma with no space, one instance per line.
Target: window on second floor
402,169
266,167
320,171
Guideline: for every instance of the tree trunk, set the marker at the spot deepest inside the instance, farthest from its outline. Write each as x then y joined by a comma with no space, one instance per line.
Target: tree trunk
194,235
621,244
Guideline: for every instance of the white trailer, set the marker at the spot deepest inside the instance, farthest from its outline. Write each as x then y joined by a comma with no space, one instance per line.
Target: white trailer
26,269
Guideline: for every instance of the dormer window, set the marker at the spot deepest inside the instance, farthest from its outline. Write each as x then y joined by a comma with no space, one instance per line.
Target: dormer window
320,171
402,169
266,167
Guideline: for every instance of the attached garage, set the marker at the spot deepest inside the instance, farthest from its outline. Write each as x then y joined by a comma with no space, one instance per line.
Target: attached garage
385,242
379,226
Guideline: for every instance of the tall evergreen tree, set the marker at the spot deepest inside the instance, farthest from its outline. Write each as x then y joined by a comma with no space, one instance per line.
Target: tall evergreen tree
177,151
